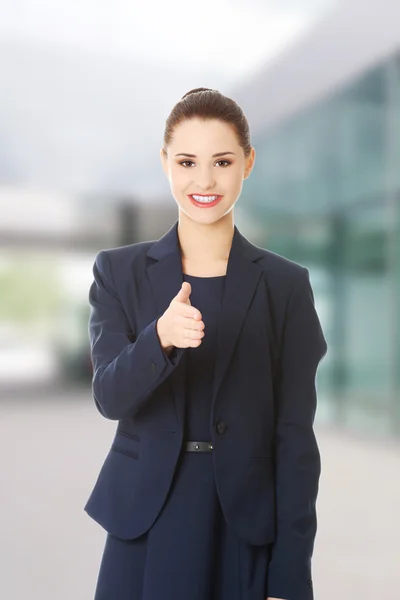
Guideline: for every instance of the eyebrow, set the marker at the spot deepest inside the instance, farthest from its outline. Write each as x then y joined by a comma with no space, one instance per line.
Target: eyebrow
213,156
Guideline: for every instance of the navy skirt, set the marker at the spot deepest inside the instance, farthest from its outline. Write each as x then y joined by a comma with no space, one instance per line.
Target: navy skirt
190,552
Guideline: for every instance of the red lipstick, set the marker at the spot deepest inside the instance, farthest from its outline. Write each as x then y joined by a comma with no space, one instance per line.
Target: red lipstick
205,204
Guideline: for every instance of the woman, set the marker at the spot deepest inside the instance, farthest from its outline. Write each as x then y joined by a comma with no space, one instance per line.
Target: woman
205,349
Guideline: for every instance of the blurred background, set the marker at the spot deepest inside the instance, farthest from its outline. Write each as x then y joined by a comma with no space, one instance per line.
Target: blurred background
86,88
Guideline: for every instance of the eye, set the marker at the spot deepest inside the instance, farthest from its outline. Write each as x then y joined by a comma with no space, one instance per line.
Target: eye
218,161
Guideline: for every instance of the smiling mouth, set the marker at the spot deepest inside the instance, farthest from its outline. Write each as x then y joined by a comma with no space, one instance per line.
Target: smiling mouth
207,200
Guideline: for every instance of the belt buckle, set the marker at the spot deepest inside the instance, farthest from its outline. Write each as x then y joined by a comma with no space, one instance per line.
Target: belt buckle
199,446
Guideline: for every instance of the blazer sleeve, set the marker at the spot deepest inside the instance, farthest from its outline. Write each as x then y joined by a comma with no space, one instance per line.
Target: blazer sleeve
127,367
298,463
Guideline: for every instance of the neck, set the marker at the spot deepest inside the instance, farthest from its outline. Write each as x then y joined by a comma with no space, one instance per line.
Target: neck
205,243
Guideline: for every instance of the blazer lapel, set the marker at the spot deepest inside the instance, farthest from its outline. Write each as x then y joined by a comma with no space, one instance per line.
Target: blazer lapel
241,281
242,277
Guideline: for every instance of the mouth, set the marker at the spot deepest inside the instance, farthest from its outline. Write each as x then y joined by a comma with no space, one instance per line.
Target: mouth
204,201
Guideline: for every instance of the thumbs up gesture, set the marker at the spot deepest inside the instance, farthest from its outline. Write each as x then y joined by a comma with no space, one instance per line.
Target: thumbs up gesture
181,325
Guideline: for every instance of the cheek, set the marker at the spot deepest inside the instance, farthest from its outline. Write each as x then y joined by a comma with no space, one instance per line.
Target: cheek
232,176
179,186
179,178
235,181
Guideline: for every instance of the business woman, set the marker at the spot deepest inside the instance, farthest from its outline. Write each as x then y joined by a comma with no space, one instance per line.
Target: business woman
205,349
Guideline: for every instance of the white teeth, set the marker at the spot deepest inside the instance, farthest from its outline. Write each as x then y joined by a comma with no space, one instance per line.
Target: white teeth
204,198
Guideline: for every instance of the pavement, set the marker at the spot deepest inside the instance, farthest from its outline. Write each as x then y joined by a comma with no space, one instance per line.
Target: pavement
53,445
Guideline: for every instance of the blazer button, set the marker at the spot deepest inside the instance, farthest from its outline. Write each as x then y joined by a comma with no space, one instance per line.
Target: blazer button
221,427
153,367
310,583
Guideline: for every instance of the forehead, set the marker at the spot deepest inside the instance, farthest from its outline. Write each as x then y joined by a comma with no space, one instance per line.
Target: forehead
203,135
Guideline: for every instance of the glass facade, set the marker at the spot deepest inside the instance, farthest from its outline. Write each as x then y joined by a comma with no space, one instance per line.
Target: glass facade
327,189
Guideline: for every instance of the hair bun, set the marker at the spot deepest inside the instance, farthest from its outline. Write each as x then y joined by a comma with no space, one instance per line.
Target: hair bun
195,90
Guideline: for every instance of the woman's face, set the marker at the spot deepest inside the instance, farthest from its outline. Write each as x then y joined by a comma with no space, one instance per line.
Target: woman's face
205,174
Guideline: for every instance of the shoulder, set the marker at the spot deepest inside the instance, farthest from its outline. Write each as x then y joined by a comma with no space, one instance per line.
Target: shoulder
279,264
120,258
127,251
281,274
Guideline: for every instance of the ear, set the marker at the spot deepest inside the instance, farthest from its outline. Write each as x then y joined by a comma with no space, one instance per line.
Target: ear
164,164
249,163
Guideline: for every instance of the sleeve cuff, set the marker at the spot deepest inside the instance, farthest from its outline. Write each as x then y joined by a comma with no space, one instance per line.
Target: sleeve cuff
172,359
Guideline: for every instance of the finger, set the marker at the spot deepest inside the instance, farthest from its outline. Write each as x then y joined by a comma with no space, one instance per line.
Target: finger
189,323
192,334
188,342
187,311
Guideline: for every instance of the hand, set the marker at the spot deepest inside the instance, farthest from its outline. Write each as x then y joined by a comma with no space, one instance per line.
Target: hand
181,325
270,598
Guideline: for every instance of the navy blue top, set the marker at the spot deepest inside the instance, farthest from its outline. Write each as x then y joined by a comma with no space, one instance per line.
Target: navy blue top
206,296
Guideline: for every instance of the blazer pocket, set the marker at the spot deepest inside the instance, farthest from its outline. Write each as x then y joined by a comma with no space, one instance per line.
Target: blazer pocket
126,443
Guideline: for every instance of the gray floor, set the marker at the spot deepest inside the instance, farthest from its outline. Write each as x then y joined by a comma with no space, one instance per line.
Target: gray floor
53,446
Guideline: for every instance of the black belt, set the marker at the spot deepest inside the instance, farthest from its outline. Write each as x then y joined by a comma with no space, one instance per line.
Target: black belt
198,446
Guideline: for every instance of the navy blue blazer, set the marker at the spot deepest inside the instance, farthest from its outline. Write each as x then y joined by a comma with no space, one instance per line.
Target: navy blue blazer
270,343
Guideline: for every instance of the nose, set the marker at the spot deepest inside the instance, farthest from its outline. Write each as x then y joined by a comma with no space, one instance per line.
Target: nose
205,179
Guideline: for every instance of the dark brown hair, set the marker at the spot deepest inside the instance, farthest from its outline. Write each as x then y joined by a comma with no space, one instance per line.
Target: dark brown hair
207,104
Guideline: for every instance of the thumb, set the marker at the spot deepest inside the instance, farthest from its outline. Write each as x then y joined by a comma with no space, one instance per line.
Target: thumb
184,292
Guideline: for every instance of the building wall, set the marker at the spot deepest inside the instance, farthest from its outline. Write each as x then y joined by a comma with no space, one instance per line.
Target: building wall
327,188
